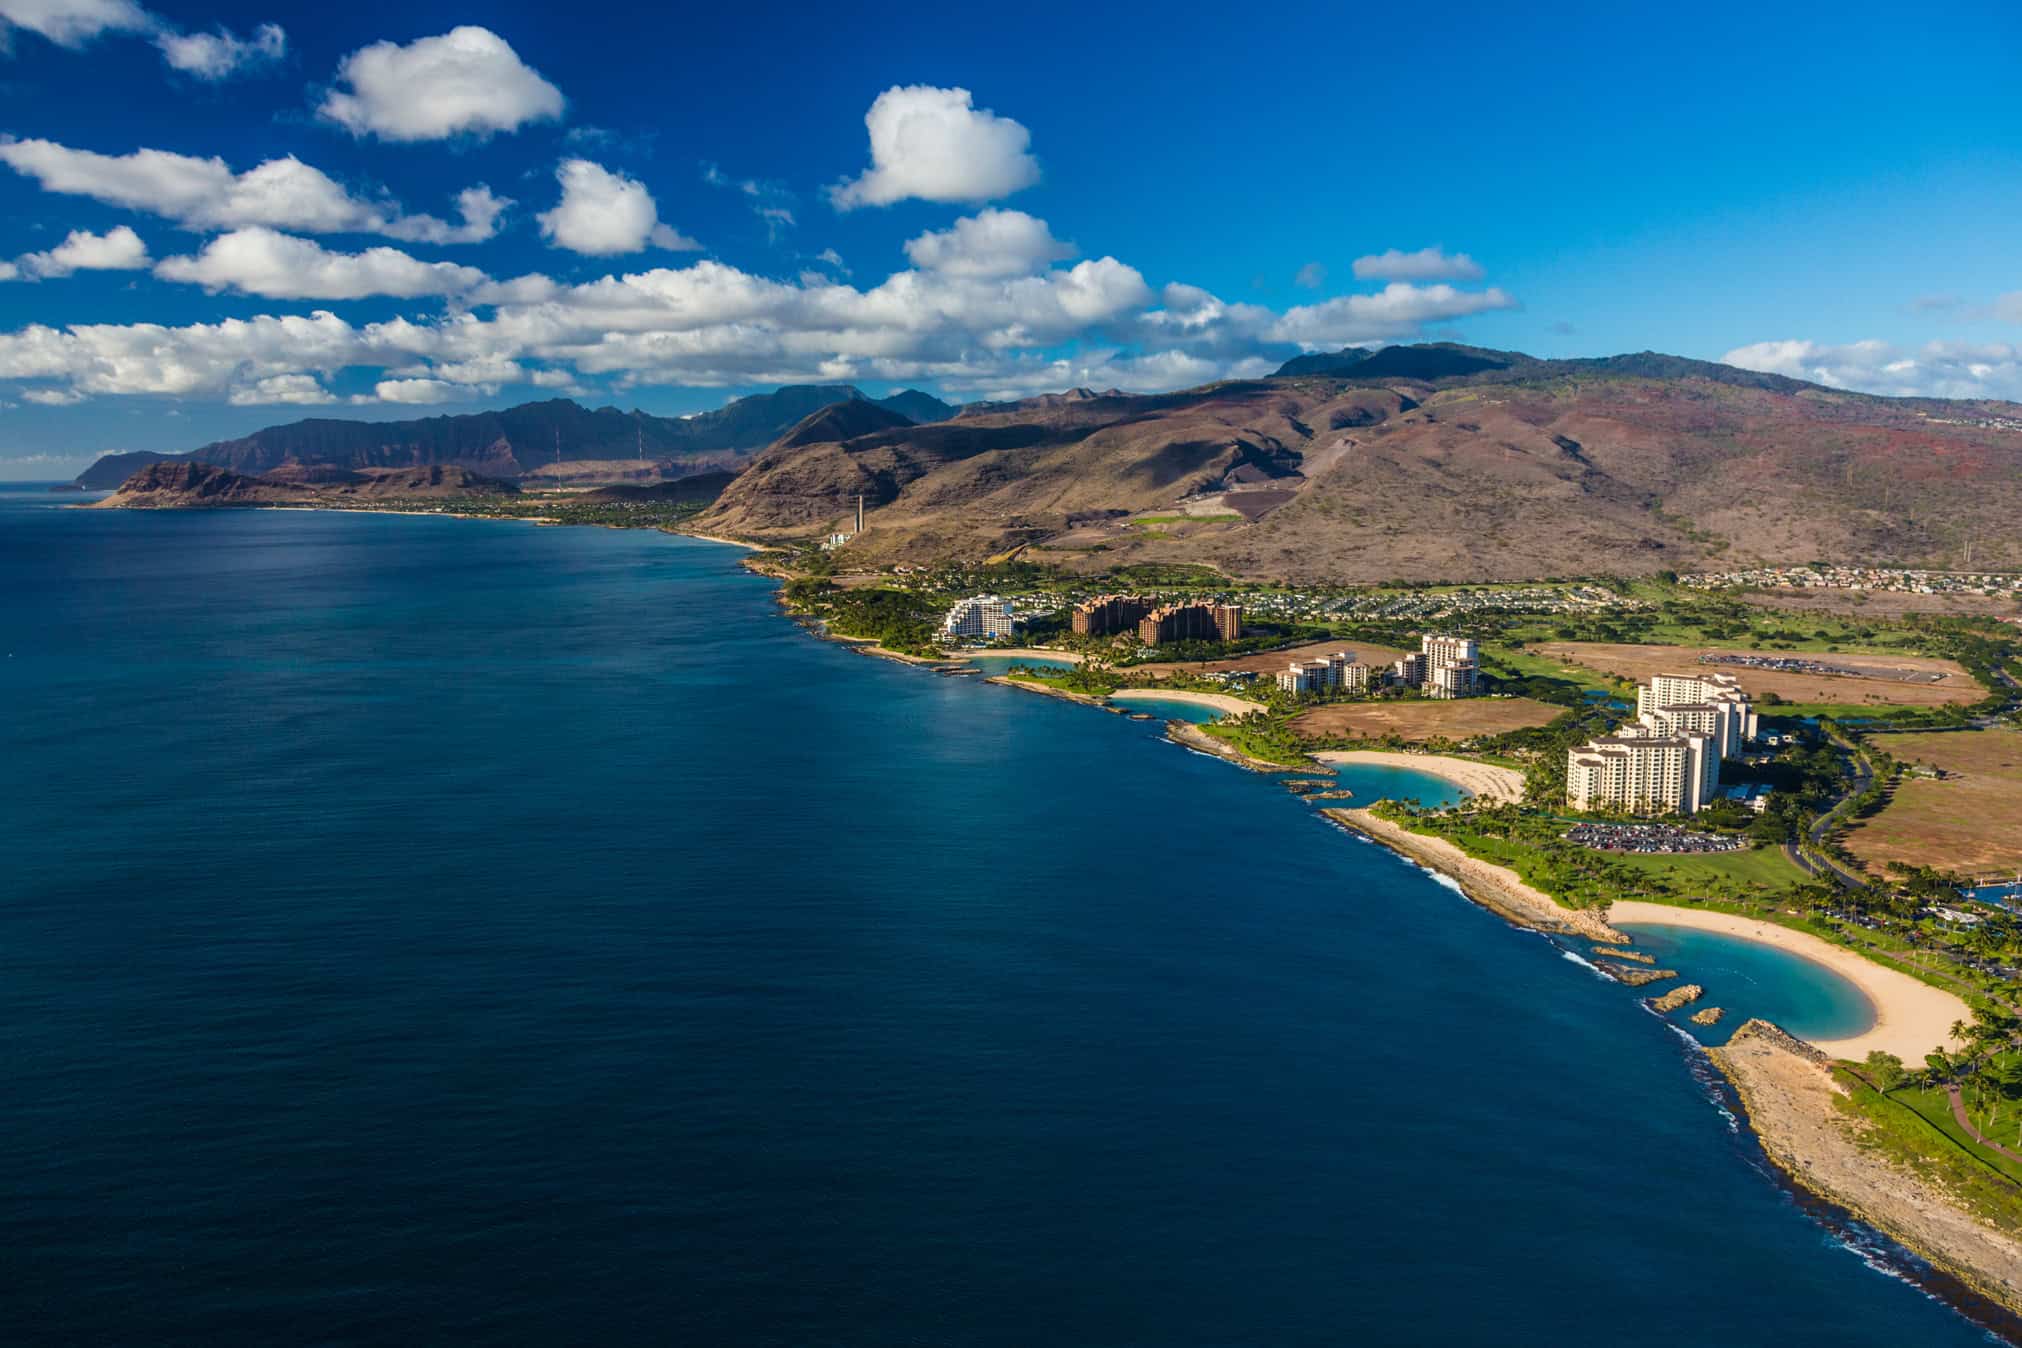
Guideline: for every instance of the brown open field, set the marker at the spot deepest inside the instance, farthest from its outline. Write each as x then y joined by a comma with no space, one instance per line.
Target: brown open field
1272,661
1640,662
1416,722
1970,822
1882,604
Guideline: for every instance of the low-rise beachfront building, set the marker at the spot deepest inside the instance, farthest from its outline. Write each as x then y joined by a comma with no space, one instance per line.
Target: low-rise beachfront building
1339,670
985,615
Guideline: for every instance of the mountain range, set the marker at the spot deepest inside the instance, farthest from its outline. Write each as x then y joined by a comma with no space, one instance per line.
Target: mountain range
557,439
1431,462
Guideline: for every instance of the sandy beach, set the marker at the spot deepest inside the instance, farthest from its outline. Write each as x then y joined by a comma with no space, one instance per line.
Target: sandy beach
1790,1104
1221,702
1018,653
1496,888
1911,1018
1477,779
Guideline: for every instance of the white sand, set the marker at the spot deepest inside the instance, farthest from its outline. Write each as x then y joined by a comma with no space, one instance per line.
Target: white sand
1911,1018
1016,653
1478,779
1221,702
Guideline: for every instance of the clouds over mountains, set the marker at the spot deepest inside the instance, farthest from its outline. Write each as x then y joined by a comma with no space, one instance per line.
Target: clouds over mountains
988,303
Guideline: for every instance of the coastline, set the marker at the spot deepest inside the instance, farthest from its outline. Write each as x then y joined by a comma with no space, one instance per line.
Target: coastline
1788,1097
1911,1018
1502,785
1496,888
1191,736
1791,1102
1020,653
1221,702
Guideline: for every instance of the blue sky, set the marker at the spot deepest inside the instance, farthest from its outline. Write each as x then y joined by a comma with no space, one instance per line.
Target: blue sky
223,216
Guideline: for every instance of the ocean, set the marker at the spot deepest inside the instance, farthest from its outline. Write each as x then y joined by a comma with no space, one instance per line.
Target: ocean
421,930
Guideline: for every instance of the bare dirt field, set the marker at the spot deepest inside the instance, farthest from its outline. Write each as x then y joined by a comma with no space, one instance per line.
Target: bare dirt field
1271,662
1417,722
1880,604
1970,821
1891,680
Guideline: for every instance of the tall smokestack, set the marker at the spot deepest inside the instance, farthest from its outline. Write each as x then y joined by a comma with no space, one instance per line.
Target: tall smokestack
860,512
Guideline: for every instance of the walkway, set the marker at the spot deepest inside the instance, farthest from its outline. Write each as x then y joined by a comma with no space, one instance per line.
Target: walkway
1959,1113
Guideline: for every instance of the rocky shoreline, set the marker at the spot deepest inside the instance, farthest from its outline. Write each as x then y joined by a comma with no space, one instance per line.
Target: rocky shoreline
1787,1090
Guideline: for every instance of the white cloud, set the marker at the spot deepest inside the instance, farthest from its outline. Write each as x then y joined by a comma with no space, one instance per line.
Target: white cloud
72,23
260,261
467,81
300,390
1311,276
421,391
52,397
602,213
708,324
205,194
990,243
479,207
219,55
1395,311
207,56
1934,370
118,249
935,145
1427,264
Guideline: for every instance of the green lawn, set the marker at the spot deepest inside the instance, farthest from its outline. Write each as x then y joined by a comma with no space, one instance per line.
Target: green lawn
1934,1148
1756,866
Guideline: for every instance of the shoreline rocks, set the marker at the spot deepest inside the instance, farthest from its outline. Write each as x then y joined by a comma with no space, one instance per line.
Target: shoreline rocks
1634,975
1677,997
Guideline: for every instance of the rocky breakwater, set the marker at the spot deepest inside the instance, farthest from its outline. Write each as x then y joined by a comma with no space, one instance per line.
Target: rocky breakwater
1634,975
1497,888
1677,997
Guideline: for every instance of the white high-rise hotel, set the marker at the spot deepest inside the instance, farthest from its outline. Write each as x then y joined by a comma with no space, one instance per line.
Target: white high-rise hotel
1667,761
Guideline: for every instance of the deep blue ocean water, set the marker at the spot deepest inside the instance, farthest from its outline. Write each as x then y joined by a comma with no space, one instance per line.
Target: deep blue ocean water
426,931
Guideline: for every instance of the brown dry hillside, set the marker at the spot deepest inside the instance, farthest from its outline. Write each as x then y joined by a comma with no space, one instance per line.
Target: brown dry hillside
181,484
1537,469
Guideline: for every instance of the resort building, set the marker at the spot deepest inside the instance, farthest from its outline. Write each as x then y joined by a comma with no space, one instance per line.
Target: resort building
1667,761
1110,613
1190,622
1337,671
1409,671
986,615
1452,666
1712,703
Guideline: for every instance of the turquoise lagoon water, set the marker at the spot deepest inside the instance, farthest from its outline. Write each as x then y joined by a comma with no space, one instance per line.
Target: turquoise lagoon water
1747,978
429,931
1165,708
1372,782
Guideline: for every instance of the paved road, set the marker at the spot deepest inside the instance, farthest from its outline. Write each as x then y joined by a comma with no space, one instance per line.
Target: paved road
1863,777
